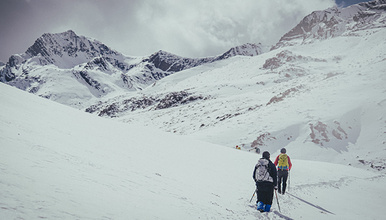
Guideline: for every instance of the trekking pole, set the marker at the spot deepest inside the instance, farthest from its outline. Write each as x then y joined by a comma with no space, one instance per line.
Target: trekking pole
253,195
277,200
289,180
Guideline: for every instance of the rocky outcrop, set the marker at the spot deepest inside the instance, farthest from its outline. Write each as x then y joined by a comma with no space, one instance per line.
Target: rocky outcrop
334,22
243,50
115,108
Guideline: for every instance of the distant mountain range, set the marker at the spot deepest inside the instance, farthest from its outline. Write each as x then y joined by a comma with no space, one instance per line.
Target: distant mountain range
85,68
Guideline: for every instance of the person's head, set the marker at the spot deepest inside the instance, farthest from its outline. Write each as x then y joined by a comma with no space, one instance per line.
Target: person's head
266,155
283,150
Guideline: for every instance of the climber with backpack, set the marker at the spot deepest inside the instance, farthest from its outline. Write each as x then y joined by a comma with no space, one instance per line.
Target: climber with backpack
265,176
284,165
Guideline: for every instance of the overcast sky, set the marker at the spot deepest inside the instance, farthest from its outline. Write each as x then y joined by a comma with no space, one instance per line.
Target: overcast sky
189,28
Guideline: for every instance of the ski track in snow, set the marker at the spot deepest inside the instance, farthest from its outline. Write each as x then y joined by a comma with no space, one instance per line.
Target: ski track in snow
313,205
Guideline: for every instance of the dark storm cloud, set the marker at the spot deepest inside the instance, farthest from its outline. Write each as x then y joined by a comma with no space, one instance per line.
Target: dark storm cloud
188,28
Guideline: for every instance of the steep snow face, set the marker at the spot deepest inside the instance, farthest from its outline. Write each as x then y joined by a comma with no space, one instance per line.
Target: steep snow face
76,70
334,22
66,50
67,68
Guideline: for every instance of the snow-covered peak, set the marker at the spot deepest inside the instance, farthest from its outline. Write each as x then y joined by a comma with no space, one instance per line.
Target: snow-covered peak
164,54
247,49
332,22
172,63
67,49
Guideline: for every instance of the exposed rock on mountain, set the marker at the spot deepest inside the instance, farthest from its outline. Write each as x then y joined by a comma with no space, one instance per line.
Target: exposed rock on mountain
334,22
285,57
65,50
163,101
172,63
244,50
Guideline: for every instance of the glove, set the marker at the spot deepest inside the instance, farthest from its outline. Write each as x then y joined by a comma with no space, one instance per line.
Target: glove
275,187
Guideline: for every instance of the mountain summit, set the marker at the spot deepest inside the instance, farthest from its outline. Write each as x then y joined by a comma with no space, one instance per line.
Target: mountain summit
67,49
320,25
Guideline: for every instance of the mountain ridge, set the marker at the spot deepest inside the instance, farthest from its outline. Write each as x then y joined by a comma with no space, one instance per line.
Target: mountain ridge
97,69
332,22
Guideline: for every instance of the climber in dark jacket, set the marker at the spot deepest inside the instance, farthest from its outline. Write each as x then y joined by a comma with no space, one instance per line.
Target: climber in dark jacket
265,176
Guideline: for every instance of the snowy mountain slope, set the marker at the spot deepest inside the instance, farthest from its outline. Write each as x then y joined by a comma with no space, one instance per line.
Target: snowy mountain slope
333,22
324,101
61,163
76,70
66,50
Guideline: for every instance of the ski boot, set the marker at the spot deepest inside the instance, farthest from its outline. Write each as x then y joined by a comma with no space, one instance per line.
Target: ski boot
260,206
267,208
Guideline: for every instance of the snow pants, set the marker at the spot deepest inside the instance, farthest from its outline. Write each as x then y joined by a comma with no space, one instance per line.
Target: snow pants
265,192
282,176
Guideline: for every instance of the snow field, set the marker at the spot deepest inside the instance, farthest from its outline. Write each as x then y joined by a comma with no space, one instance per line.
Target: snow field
60,163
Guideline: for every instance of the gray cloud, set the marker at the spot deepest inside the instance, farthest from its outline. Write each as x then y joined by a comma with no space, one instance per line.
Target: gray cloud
190,28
